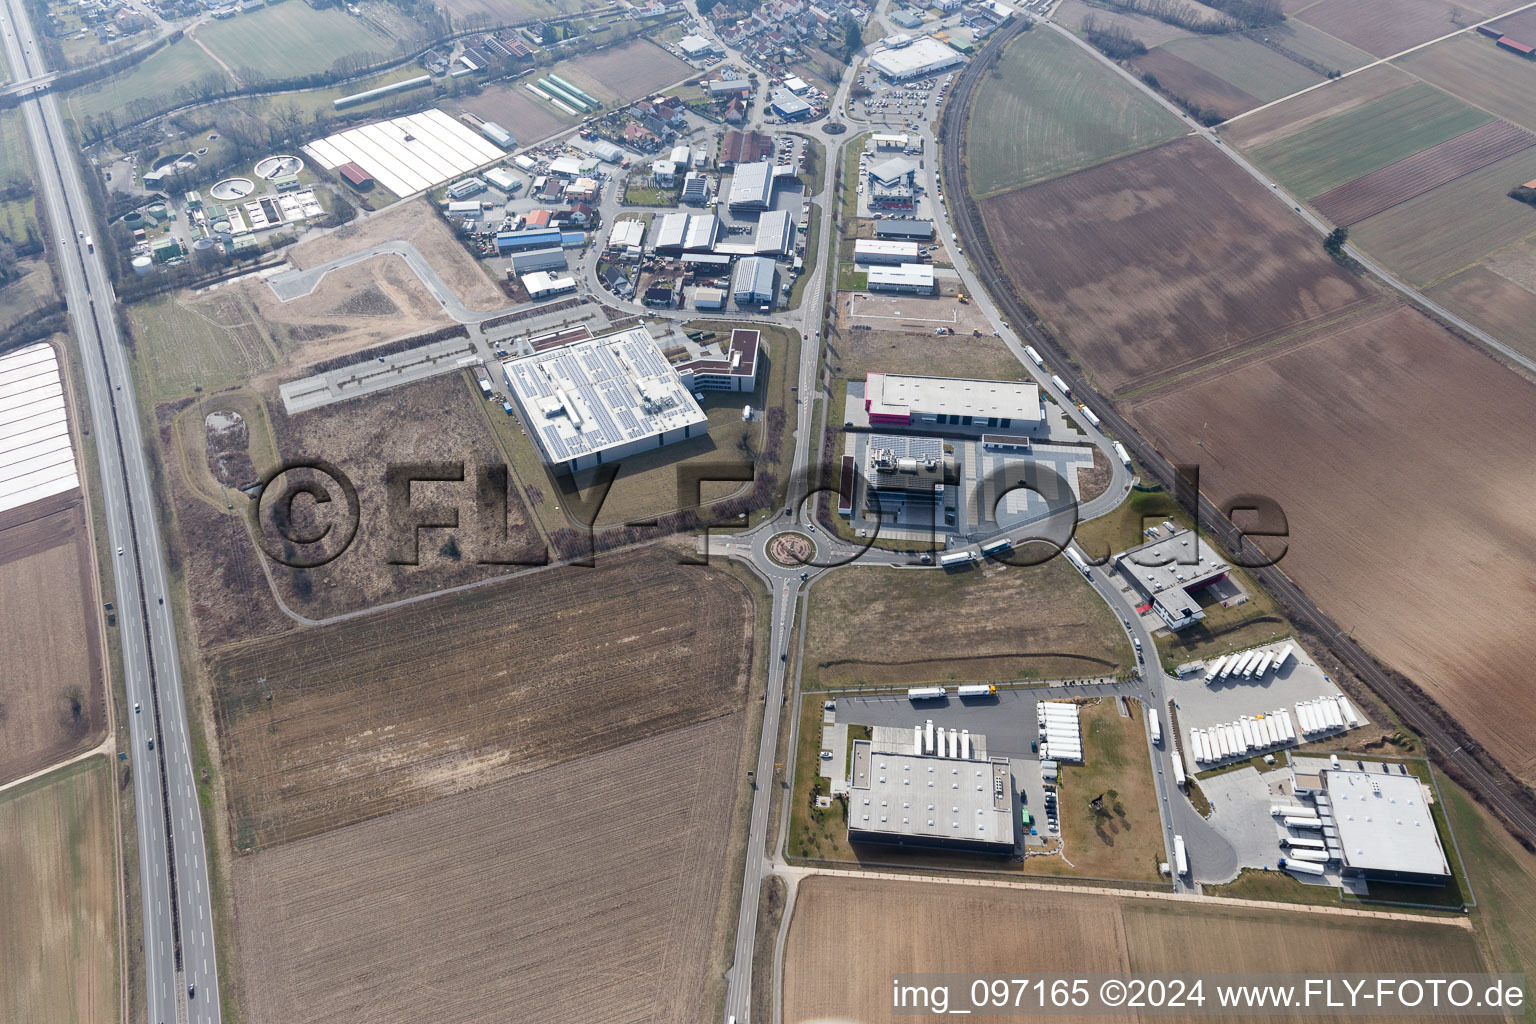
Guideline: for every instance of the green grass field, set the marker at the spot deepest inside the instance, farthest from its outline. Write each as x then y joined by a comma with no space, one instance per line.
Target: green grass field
1048,108
292,39
1445,230
1313,44
58,934
180,351
157,79
15,167
1252,67
1357,142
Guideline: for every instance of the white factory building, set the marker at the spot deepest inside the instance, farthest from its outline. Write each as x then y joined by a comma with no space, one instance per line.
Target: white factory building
627,233
541,284
871,250
898,400
753,283
597,400
408,154
940,800
913,278
775,233
1168,570
913,59
751,186
1377,824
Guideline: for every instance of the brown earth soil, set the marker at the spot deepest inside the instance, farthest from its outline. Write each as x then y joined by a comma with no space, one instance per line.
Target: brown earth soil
384,712
1494,302
849,936
1194,84
1381,190
52,695
1408,523
1385,27
417,223
584,892
1143,280
1293,115
433,421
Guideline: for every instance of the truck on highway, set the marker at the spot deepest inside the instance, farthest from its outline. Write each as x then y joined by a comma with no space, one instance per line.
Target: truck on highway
90,244
1180,857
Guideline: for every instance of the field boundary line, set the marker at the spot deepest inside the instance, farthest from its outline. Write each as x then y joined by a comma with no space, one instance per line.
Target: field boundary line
106,748
997,883
1383,60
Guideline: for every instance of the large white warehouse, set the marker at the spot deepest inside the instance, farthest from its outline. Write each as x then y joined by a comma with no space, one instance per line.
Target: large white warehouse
925,56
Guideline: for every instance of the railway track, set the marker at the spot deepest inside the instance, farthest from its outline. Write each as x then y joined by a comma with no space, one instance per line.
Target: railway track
1423,715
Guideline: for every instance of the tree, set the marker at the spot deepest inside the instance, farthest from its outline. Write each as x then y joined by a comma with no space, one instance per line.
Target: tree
853,39
1334,243
548,36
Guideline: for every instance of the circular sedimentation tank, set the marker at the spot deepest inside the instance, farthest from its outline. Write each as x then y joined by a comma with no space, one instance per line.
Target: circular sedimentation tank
221,227
231,189
134,219
269,167
156,213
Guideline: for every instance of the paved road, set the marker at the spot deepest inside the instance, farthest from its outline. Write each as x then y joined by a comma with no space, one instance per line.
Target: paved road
177,911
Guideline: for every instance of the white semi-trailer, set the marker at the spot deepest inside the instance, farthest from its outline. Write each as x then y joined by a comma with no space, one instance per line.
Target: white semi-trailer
1301,866
1077,560
1178,770
1034,356
1311,856
1125,456
1157,726
1088,414
916,693
1061,385
1215,667
1180,857
1298,823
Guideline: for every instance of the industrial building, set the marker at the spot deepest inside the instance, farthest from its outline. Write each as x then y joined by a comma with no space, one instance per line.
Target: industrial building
931,801
355,176
775,233
709,298
541,285
537,259
914,278
703,231
905,470
1168,570
895,171
503,179
870,250
752,187
919,230
567,167
753,283
789,106
408,154
1378,825
627,233
521,241
465,189
899,400
599,399
735,370
697,47
885,140
671,232
744,147
497,134
913,59
695,190
606,151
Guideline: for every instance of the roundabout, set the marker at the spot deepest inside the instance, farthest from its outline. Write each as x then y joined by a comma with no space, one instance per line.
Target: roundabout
791,549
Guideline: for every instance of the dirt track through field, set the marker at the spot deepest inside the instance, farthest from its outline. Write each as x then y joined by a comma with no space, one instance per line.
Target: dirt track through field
585,892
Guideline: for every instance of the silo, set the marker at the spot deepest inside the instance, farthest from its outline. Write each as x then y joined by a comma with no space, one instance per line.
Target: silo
142,265
204,249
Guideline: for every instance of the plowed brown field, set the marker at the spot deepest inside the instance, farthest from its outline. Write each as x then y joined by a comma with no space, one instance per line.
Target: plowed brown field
1381,190
1385,27
1409,522
849,936
1292,115
586,892
1193,83
1154,264
52,699
381,713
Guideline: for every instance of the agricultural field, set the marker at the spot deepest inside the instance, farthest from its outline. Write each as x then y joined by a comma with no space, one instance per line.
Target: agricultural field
1151,31
1332,152
1194,86
1498,870
1261,127
15,162
385,712
589,891
52,703
1475,69
1048,107
1447,229
1086,934
1251,67
1054,627
1396,385
515,109
1312,47
1153,265
624,73
149,86
517,11
291,40
1381,190
1498,294
1385,27
58,885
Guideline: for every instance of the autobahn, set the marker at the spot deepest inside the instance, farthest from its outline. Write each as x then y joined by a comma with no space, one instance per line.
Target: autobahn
180,970
1416,711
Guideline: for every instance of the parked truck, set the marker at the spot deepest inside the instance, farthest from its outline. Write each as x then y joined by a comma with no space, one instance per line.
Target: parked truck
1180,857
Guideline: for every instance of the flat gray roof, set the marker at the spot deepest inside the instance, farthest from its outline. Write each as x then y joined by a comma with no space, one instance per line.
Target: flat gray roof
933,798
1166,567
895,393
599,393
752,184
1384,822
